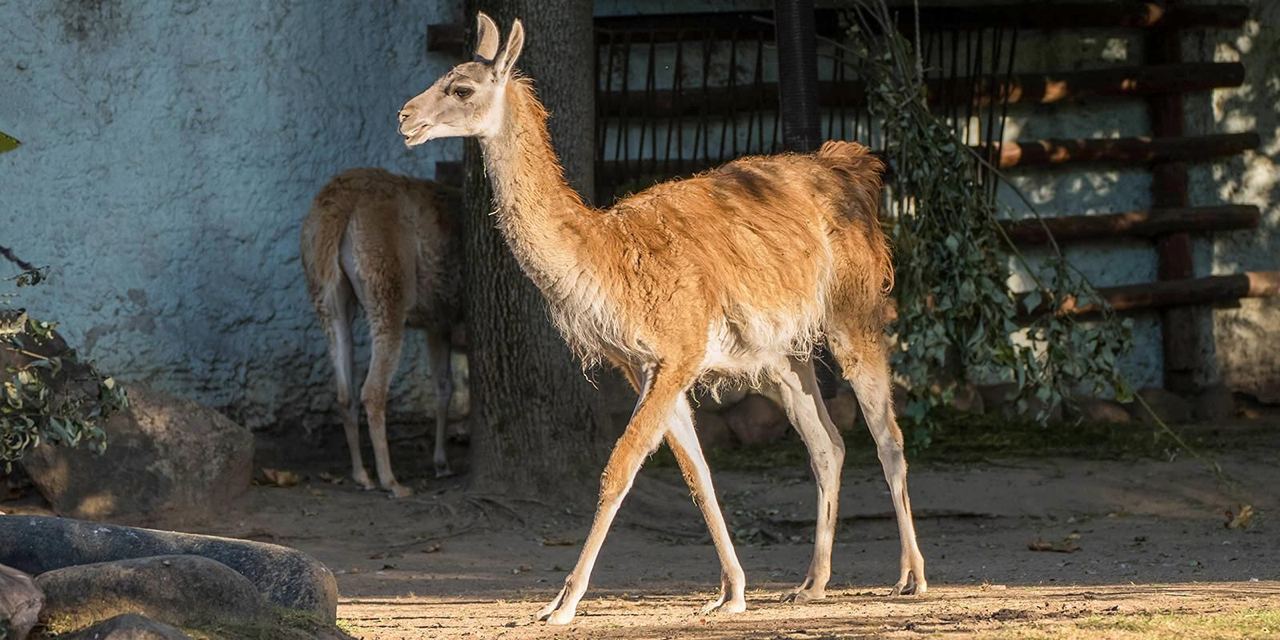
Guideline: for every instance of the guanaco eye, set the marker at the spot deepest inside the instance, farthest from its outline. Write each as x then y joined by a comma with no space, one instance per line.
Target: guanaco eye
463,92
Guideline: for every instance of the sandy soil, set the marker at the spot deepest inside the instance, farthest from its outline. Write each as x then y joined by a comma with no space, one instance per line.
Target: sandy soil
1153,549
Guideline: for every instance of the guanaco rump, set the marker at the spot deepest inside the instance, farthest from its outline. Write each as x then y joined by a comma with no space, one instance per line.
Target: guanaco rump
733,273
383,242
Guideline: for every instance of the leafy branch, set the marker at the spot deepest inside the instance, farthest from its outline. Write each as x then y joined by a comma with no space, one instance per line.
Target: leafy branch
47,393
956,311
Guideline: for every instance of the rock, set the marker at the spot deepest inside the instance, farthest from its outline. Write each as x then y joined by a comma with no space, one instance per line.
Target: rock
756,420
129,626
1167,405
968,399
996,396
1102,411
1002,399
20,603
899,399
1215,404
285,577
183,590
843,409
713,430
165,456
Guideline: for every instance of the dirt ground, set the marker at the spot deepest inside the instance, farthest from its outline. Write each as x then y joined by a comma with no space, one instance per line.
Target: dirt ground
1138,547
1143,552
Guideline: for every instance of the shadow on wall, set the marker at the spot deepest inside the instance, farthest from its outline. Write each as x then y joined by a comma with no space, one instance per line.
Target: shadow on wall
171,151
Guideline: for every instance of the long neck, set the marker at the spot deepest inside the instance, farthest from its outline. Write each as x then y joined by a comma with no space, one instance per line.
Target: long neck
543,219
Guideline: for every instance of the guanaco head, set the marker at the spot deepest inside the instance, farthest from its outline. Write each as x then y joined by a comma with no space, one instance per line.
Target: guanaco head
467,101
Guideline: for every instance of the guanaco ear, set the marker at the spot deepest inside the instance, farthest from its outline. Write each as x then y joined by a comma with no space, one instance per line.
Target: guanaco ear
486,38
506,62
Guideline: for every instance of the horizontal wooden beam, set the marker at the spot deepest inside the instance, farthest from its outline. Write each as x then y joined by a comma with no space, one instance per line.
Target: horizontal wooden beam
1133,224
1051,88
660,28
1182,293
1094,15
1133,151
1011,155
1028,88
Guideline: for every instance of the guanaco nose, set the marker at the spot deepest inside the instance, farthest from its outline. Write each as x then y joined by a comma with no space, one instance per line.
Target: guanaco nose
404,115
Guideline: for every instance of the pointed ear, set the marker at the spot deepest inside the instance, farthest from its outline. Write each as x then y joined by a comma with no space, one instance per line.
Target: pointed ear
515,43
486,38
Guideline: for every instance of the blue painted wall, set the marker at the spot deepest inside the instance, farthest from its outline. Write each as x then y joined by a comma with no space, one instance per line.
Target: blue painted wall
170,152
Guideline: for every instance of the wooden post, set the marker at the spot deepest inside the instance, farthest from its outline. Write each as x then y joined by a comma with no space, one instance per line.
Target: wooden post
1182,336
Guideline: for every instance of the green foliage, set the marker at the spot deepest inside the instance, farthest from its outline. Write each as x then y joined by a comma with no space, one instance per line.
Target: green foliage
47,394
957,317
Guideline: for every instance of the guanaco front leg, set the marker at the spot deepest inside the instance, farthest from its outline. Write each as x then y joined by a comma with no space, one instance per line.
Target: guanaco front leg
643,434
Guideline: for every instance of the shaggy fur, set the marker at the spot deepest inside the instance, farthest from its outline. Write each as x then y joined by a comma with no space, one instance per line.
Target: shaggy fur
735,272
383,241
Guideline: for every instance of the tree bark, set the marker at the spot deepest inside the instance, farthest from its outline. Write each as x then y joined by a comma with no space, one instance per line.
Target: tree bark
537,421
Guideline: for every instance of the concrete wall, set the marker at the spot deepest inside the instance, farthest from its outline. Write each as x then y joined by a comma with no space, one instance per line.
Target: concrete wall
170,152
1247,338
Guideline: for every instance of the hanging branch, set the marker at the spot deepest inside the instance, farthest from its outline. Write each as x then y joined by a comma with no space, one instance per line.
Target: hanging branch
8,254
956,312
48,395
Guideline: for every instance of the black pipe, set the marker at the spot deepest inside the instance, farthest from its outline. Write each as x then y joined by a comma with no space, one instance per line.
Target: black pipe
796,36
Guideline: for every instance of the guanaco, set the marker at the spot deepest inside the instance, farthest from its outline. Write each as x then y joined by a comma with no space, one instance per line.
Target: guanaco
385,243
733,273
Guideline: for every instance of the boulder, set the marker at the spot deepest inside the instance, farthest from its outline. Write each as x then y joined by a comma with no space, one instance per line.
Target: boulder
843,409
996,397
713,430
967,399
285,577
1002,400
1215,404
182,590
20,603
129,626
899,399
1166,405
165,456
1102,411
756,420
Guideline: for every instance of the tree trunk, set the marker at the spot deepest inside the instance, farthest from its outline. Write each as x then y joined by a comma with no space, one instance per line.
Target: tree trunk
537,421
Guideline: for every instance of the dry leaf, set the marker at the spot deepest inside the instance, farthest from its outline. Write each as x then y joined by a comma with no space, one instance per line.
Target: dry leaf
280,477
1065,546
432,548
